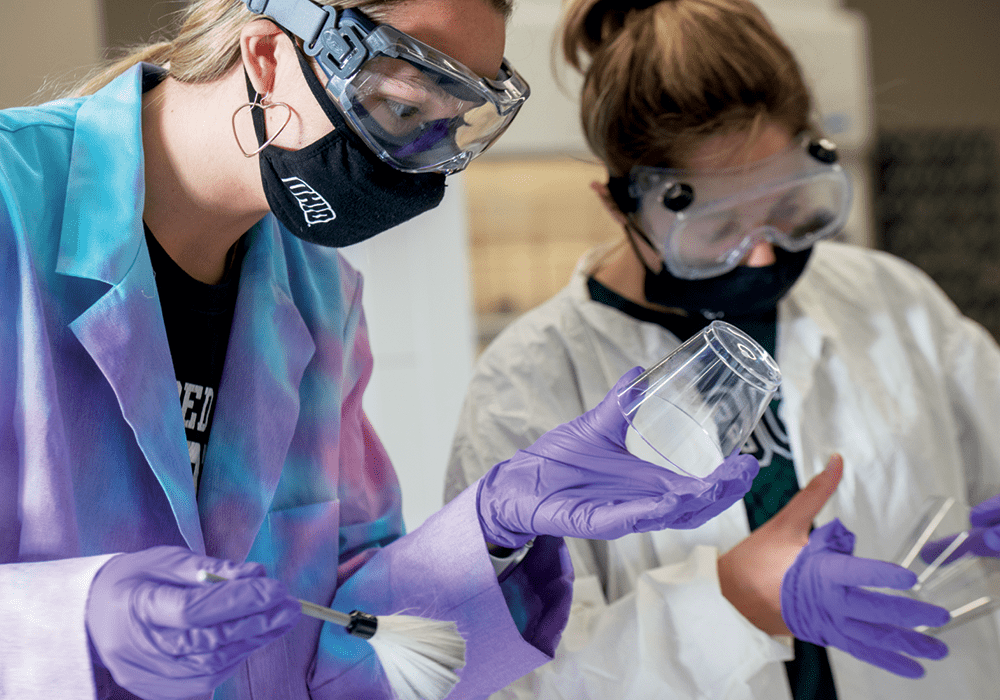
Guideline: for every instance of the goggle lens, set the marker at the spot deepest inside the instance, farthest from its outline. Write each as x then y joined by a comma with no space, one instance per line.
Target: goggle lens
418,117
710,237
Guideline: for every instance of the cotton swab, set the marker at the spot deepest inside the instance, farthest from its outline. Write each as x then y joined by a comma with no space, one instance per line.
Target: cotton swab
420,656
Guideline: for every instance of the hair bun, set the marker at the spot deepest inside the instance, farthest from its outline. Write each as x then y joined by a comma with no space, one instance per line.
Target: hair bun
589,24
610,14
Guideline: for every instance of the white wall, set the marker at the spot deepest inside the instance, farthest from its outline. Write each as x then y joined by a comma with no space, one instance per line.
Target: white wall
419,309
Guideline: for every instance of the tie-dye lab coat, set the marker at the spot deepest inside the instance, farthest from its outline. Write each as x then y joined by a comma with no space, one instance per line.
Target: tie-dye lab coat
93,455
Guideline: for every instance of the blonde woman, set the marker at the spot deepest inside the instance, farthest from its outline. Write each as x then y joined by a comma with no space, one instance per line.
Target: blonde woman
183,355
727,197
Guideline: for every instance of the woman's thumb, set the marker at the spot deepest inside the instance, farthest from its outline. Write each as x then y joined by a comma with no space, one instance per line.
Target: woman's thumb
799,512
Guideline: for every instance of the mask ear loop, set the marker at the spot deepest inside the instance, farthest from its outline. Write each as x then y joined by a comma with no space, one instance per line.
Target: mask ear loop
632,231
260,102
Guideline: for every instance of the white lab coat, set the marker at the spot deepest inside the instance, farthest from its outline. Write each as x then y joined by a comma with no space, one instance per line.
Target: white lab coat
877,364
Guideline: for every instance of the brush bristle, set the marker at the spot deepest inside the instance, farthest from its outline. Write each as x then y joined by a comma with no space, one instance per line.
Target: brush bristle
419,656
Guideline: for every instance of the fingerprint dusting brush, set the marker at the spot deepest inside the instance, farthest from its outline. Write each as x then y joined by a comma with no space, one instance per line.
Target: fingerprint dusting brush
420,656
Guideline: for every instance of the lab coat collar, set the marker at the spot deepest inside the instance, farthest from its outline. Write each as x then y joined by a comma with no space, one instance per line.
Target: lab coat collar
609,322
102,238
809,319
105,188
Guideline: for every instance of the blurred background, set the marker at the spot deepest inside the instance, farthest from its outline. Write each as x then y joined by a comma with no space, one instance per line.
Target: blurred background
907,90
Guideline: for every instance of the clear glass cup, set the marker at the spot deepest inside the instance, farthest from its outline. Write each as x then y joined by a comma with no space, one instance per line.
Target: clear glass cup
967,586
700,403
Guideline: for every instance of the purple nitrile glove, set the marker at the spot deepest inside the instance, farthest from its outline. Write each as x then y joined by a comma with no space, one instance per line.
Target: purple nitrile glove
986,519
823,601
986,514
163,635
578,480
983,539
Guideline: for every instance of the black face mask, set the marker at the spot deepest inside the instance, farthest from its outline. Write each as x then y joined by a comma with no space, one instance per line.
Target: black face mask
739,292
336,191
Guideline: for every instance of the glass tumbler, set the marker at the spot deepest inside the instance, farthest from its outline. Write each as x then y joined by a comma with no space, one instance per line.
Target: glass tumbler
700,403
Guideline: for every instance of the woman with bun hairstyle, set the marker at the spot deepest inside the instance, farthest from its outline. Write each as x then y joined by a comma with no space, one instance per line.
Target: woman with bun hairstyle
728,198
183,354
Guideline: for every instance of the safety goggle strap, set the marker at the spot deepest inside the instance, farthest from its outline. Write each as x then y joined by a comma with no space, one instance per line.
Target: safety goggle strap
620,189
338,45
304,18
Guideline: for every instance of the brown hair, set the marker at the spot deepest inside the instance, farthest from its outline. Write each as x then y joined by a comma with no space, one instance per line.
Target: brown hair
207,45
660,76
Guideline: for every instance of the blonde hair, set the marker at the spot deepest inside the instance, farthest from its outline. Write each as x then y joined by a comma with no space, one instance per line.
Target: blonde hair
660,76
207,43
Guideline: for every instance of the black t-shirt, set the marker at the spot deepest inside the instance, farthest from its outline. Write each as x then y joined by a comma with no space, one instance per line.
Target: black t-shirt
198,318
809,674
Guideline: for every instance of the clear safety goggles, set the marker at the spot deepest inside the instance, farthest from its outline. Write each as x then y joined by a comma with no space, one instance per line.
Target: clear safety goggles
704,224
419,109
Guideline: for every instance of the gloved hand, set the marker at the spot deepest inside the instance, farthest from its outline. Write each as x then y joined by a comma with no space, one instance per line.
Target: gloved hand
983,539
823,601
163,635
578,480
750,573
985,520
986,514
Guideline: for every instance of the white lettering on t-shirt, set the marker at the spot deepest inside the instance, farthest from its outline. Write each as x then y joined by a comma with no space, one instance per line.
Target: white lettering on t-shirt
206,409
197,405
187,403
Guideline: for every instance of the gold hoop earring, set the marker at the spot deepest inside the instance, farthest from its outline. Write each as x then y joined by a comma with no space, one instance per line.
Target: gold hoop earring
262,104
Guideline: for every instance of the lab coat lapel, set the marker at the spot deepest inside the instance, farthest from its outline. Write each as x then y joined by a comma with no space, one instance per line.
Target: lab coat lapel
805,328
810,319
258,405
105,191
124,334
799,350
102,239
